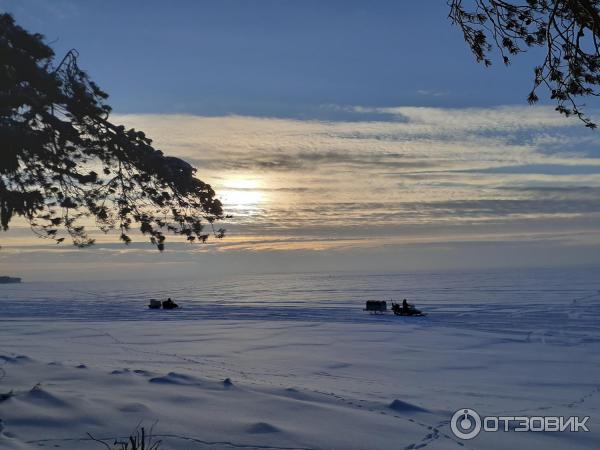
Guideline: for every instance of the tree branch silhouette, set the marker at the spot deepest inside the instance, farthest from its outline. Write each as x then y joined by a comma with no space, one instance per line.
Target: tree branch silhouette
64,164
568,29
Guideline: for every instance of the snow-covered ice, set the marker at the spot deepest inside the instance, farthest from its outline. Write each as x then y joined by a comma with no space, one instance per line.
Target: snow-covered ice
293,361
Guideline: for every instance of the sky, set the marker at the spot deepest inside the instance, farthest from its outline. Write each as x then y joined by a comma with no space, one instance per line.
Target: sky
341,135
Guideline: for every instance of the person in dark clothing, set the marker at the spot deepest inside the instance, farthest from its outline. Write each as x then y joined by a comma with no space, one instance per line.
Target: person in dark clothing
405,306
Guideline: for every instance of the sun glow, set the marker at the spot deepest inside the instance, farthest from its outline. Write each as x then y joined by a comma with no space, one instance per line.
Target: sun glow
242,192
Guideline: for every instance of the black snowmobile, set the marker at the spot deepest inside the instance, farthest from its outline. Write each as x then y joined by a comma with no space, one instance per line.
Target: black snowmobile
406,309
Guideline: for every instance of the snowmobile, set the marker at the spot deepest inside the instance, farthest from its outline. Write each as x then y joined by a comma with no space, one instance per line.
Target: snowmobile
409,311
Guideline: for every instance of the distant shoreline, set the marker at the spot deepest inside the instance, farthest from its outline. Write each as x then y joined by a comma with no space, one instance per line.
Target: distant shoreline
8,280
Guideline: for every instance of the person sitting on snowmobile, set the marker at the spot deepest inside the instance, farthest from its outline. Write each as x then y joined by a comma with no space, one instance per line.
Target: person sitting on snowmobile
406,306
169,304
406,309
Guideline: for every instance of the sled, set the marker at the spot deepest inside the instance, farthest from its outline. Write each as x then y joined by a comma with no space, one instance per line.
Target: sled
154,304
375,306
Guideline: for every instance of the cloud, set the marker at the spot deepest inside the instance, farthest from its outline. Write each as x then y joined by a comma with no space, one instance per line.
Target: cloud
412,165
546,169
311,160
432,93
391,177
480,120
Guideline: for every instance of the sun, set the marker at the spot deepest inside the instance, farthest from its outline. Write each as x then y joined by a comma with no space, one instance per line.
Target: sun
242,192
